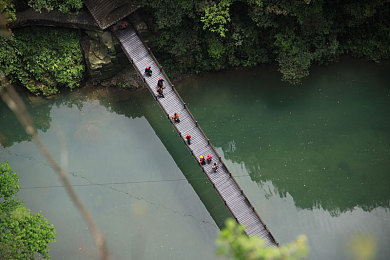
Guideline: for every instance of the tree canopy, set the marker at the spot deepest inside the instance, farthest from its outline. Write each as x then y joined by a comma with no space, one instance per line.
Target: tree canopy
23,234
43,59
235,244
197,36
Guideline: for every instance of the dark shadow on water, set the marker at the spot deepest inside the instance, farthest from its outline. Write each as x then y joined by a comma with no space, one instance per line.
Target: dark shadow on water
131,104
12,132
325,142
40,108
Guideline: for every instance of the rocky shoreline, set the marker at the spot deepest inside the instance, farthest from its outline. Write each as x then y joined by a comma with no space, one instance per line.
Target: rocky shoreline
105,63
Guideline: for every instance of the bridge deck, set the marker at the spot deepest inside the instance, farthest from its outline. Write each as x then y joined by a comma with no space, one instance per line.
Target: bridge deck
222,180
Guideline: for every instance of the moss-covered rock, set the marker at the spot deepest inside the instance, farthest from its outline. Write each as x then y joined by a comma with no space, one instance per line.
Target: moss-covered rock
103,56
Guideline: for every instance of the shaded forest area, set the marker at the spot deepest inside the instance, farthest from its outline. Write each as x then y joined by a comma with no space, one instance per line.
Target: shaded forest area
195,36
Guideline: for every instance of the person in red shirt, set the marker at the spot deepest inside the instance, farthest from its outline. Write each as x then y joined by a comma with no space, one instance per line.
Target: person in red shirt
209,158
188,138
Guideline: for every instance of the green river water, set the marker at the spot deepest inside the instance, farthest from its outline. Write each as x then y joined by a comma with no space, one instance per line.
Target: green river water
313,159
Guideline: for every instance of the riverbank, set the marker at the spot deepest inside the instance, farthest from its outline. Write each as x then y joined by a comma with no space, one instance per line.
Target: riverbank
252,34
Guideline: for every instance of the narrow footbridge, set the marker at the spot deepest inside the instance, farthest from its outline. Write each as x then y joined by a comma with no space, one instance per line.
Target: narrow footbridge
222,180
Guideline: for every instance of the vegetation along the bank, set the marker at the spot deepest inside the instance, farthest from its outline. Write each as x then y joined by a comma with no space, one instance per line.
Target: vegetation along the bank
235,244
41,59
23,234
196,36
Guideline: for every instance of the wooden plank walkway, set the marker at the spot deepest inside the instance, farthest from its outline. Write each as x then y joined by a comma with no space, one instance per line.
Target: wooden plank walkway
222,180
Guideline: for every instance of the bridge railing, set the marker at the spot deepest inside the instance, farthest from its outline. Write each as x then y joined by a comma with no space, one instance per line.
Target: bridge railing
197,125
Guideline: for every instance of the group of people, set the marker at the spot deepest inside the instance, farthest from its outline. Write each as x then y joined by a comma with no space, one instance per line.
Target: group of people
160,82
176,119
121,25
209,158
160,88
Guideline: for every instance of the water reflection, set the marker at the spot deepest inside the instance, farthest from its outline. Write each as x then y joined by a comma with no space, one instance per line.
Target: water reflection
11,130
39,109
326,143
120,169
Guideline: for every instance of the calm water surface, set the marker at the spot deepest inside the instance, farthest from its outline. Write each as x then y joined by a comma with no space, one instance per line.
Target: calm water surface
135,191
315,158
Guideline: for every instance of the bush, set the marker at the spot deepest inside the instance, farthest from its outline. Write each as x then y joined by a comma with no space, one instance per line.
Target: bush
43,59
65,6
23,234
210,35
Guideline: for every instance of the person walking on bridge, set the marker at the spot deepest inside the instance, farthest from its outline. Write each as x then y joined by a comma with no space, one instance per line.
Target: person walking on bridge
202,161
160,93
148,71
175,118
209,158
160,82
215,167
188,138
123,24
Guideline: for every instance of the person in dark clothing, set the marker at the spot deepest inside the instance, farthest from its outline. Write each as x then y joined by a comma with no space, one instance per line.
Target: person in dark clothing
215,167
160,93
175,118
160,82
188,138
148,71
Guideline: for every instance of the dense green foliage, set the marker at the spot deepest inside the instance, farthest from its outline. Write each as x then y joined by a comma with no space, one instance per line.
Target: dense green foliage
194,36
23,234
65,6
235,244
43,59
7,11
